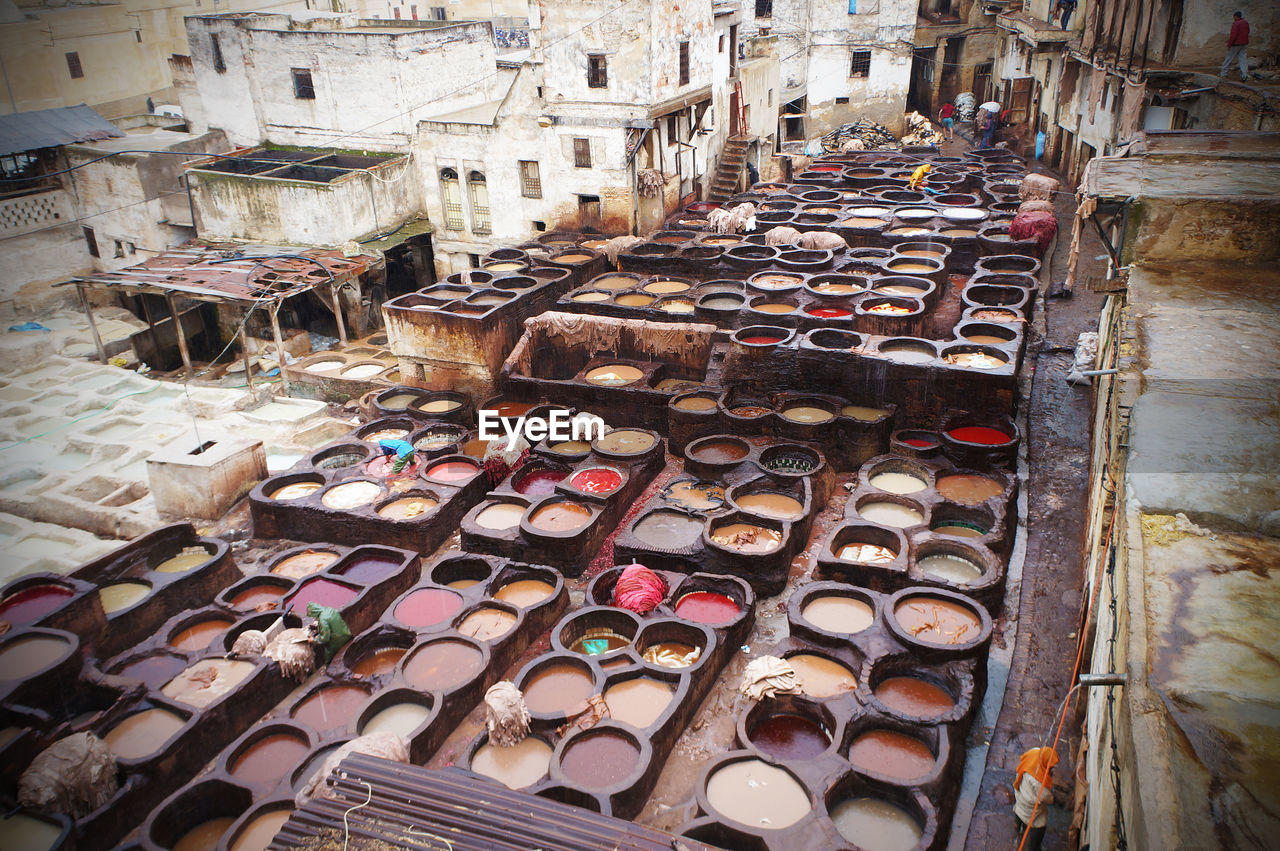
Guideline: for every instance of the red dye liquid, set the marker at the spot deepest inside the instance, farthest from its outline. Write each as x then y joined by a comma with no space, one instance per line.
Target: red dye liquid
825,168
828,312
761,340
539,481
790,737
597,481
452,471
31,604
980,434
918,443
707,607
369,569
321,591
427,607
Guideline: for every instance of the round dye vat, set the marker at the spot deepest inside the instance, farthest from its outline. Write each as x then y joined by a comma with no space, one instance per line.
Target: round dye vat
838,614
665,287
369,569
969,489
256,596
427,607
337,462
513,409
828,312
590,297
876,825
258,834
908,230
776,282
442,665
919,443
790,736
400,401
771,505
671,654
143,734
399,718
757,794
866,554
975,360
461,584
452,471
613,282
836,289
724,302
321,591
986,339
571,447
707,607
381,434
559,690
325,366
597,480
639,701
668,530
297,490
268,760
199,635
573,258
696,404
439,406
377,662
822,677
981,435
154,670
808,414
900,289
934,620
489,299
891,754
437,439
760,340
330,708
383,467
907,268
634,300
206,682
914,697
863,413
906,353
614,375
950,568
561,517
500,515
525,592
31,604
350,495
121,595
204,837
695,495
599,760
960,530
899,483
408,508
487,623
516,767
886,309
996,314
24,657
626,442
538,481
304,563
890,514
960,232
774,307
922,252
720,452
747,538
189,558
29,834
598,641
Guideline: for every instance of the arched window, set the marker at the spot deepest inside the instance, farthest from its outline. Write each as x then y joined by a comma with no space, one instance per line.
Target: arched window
451,196
480,220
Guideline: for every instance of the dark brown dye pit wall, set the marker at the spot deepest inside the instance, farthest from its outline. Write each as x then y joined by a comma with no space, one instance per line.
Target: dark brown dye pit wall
651,672
553,511
915,522
404,675
416,509
742,507
430,406
874,738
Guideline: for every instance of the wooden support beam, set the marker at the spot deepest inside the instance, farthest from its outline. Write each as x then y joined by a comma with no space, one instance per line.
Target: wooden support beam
275,331
337,314
182,336
244,353
93,324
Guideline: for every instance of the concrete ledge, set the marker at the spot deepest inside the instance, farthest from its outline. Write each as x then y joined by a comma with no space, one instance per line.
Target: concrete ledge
186,482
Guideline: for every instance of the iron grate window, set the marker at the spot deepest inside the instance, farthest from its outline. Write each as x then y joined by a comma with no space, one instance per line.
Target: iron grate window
302,86
764,8
582,152
597,71
860,64
480,219
451,196
74,66
684,63
530,179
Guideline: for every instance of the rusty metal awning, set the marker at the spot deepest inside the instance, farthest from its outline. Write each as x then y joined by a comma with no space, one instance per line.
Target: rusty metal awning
53,128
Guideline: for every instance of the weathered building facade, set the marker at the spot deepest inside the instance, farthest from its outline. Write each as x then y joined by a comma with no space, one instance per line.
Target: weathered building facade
955,41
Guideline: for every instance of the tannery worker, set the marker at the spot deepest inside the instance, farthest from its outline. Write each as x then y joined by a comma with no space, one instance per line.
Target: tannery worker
918,177
1237,43
403,451
1033,792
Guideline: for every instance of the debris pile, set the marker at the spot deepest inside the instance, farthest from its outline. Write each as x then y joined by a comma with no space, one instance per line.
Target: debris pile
868,136
965,105
920,131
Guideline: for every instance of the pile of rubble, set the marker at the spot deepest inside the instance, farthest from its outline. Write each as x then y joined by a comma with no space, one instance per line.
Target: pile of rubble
862,135
920,131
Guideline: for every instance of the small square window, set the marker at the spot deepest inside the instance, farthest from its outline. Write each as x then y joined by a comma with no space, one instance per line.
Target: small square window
841,101
860,64
475,260
540,227
302,87
530,179
74,66
673,128
684,63
582,152
764,8
597,71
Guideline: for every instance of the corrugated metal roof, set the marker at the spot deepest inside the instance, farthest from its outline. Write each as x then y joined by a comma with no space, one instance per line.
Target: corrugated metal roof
51,128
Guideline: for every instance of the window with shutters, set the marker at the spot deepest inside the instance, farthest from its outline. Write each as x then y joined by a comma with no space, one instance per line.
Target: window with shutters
451,195
860,64
684,63
530,179
582,152
597,71
479,190
219,64
73,65
302,87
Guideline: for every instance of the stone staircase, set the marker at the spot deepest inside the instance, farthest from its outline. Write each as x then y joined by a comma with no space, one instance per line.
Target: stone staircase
729,171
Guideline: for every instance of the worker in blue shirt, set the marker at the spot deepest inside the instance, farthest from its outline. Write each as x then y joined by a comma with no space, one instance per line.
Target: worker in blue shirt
402,450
